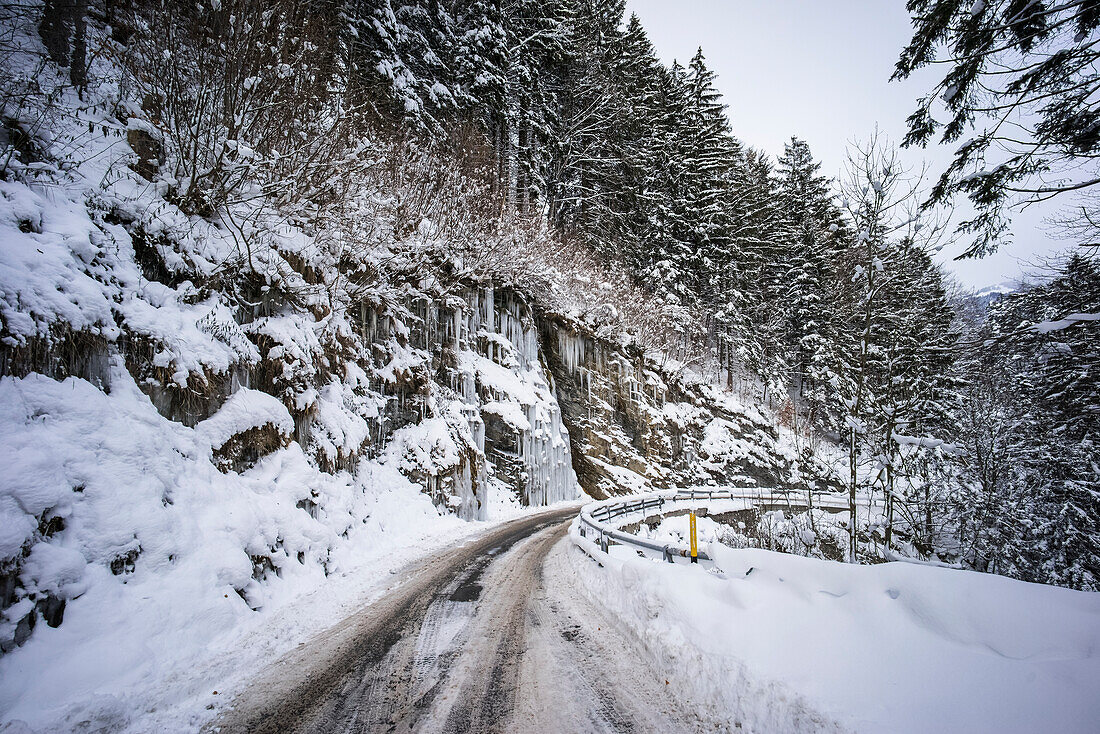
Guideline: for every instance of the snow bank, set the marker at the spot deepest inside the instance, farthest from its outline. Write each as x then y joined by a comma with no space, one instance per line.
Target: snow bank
46,252
164,563
793,644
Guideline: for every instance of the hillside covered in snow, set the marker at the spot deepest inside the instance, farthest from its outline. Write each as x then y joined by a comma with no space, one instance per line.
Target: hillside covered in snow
209,412
291,292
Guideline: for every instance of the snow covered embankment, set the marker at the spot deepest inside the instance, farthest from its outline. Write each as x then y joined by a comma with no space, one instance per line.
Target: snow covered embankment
197,442
157,560
783,643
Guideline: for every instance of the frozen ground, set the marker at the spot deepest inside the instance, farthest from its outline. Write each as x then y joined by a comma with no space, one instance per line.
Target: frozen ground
781,643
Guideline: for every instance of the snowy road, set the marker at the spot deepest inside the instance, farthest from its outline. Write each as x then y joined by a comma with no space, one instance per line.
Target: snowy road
490,636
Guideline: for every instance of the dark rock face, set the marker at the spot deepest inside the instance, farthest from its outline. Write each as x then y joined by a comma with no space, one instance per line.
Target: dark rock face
636,426
509,378
632,424
242,451
149,152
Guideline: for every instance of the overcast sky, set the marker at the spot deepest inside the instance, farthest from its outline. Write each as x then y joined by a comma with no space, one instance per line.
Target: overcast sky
819,69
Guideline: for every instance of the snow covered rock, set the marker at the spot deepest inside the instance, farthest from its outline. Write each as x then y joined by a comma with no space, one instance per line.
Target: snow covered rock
638,426
248,426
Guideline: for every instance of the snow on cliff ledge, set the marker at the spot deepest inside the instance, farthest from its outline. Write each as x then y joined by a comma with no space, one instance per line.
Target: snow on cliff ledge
243,410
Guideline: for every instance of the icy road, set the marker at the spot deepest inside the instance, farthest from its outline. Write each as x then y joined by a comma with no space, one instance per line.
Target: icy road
486,637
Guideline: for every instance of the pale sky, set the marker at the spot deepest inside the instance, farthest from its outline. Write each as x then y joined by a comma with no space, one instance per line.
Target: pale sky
820,70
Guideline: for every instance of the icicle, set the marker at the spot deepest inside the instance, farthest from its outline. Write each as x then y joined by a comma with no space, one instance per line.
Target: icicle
458,321
473,313
544,449
489,321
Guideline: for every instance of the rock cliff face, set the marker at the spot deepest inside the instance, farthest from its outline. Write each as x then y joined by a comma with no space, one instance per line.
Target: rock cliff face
637,425
467,364
532,404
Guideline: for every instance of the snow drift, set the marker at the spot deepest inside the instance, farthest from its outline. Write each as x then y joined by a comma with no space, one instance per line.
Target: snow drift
787,643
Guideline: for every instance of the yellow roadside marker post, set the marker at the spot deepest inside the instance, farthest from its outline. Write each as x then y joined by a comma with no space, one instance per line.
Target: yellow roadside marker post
694,544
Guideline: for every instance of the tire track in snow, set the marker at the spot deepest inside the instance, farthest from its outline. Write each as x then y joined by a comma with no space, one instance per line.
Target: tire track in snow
487,637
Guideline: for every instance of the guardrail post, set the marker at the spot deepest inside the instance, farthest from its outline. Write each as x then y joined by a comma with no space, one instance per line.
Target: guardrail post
694,545
603,542
668,555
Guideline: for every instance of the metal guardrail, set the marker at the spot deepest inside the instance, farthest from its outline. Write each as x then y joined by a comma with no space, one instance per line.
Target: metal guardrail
595,518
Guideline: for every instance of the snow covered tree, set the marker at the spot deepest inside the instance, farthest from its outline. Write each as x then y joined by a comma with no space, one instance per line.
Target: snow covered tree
915,398
983,505
402,62
586,171
1027,69
638,133
710,157
1040,351
754,295
239,95
878,362
668,250
479,73
818,235
535,43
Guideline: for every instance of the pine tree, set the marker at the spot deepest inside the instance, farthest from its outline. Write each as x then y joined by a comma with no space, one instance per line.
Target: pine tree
669,251
536,54
757,294
587,173
818,234
879,197
1028,69
1047,370
711,156
480,57
638,134
914,397
402,62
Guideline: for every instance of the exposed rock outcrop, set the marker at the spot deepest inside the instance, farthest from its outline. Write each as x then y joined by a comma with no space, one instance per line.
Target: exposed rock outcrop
637,425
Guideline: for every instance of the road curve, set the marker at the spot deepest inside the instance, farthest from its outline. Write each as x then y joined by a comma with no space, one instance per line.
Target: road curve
485,637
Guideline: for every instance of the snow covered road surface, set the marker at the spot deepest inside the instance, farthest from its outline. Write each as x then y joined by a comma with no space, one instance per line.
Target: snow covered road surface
491,636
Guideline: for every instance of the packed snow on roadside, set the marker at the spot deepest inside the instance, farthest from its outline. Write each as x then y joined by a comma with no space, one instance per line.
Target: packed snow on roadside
178,580
787,643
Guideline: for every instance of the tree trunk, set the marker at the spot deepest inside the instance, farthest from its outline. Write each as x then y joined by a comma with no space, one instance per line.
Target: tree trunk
54,29
78,67
852,465
889,503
